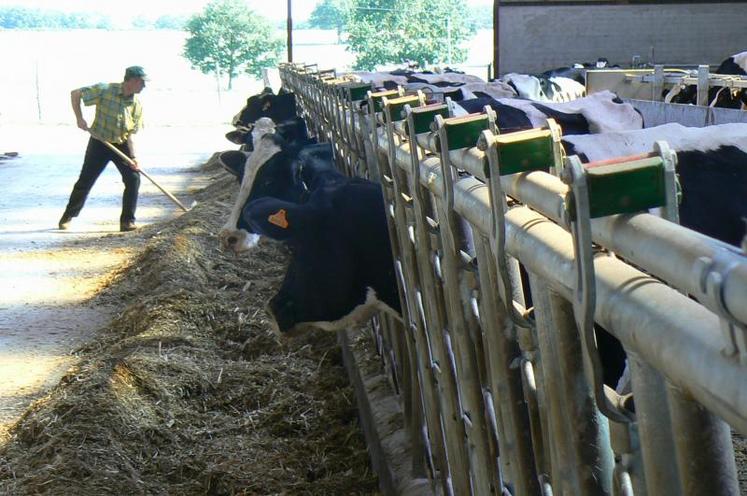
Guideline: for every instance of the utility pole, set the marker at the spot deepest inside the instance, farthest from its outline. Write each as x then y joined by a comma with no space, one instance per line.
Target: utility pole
496,39
289,28
448,40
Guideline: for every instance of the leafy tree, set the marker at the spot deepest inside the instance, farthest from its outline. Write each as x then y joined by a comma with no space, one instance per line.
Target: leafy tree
480,17
26,18
330,14
227,37
394,31
142,22
177,22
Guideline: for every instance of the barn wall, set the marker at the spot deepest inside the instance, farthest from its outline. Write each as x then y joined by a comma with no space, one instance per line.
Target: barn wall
537,38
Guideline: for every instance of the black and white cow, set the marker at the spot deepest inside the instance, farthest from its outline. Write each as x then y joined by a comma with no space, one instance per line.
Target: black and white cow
279,108
545,88
411,80
341,270
597,113
577,71
293,129
711,169
735,98
279,168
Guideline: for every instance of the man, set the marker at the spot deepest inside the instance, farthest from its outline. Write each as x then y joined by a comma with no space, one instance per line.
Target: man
119,115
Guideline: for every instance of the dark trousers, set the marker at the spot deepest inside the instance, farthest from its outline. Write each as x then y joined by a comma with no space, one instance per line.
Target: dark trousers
97,157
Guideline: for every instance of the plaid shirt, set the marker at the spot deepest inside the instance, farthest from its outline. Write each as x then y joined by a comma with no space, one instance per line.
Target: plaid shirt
117,116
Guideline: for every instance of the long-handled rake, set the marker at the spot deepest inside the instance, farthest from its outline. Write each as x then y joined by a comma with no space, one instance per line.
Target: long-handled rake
130,161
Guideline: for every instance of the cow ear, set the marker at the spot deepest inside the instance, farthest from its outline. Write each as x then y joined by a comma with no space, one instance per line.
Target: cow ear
279,219
234,162
236,136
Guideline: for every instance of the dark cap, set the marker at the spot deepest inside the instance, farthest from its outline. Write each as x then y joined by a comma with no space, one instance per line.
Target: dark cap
135,71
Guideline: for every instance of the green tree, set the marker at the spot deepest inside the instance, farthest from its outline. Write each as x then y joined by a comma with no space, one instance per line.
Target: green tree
176,22
394,31
330,14
227,37
26,18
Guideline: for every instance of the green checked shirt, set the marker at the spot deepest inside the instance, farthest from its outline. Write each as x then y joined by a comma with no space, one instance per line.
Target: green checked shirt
117,116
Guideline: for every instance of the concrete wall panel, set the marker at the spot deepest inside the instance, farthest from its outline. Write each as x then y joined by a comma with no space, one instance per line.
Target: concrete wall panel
537,38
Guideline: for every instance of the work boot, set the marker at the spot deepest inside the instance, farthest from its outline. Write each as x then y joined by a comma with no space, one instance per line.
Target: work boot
64,222
127,226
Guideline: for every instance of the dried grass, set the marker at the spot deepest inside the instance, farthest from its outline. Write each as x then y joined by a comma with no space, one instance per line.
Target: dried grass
188,391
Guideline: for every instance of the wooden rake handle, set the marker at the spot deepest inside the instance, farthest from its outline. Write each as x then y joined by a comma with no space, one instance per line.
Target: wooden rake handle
131,162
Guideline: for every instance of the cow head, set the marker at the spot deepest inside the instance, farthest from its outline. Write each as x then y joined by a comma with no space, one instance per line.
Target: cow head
341,271
276,107
231,236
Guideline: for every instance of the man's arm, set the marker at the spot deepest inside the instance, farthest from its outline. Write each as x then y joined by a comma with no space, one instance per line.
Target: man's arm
75,98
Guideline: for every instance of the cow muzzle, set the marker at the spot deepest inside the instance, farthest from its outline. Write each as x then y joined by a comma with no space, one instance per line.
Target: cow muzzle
237,240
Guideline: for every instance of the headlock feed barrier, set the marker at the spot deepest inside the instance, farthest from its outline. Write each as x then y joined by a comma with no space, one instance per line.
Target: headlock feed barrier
501,380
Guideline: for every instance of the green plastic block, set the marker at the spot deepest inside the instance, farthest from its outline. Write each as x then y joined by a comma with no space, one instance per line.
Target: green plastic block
525,151
358,92
397,105
423,117
625,188
376,97
463,132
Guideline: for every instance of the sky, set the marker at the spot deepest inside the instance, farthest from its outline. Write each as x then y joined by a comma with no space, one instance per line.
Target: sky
126,9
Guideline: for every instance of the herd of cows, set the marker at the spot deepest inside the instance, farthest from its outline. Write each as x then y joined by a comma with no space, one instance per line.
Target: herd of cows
341,270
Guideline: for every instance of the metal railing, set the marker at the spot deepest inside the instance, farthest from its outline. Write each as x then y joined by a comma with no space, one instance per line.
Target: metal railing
496,374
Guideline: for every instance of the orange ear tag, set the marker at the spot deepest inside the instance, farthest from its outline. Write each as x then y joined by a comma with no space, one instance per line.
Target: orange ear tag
279,219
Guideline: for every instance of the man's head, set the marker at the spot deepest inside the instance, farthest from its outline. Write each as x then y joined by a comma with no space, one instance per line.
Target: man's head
134,79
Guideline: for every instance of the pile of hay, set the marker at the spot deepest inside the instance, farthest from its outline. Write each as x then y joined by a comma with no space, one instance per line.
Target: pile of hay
188,391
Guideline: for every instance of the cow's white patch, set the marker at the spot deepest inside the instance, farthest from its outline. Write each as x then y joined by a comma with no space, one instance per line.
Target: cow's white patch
237,240
496,89
566,89
680,138
741,60
264,150
264,125
357,316
599,109
526,86
448,77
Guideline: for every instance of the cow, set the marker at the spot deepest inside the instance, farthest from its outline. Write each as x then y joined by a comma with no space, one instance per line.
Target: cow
493,89
341,270
597,113
577,71
293,129
711,170
545,89
276,168
393,79
724,97
278,107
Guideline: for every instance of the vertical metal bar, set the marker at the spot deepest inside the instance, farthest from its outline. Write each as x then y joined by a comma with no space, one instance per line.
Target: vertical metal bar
705,455
702,92
654,428
582,460
451,236
457,461
502,352
404,254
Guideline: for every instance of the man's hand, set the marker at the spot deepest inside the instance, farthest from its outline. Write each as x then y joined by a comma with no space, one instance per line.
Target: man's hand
82,124
133,165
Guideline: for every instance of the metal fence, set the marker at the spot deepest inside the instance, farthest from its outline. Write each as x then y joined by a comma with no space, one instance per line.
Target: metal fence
499,375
